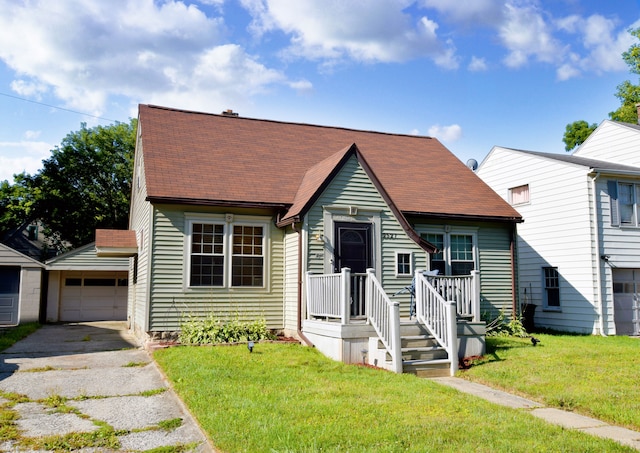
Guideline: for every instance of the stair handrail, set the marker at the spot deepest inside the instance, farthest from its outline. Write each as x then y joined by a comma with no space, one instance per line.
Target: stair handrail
438,316
384,316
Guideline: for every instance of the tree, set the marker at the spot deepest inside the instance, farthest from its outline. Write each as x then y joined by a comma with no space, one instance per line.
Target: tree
86,184
16,202
576,133
628,94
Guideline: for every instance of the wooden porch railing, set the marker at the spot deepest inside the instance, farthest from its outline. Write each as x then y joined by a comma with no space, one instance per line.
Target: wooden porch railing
464,290
438,316
384,316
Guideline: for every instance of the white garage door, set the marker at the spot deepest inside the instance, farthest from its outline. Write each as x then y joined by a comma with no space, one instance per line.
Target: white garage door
626,301
94,296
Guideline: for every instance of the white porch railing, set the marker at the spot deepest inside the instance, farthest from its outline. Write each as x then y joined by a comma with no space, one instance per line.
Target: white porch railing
384,316
438,316
328,295
464,290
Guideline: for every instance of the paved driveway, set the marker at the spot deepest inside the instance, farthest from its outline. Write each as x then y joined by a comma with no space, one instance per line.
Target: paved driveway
103,378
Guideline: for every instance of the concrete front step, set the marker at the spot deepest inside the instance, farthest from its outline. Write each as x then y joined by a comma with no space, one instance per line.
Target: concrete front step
424,353
427,368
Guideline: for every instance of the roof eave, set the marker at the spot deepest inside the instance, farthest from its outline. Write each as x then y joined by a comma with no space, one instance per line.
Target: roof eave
464,217
217,203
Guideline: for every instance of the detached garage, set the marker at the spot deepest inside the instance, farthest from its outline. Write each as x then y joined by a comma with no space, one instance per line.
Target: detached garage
83,287
20,287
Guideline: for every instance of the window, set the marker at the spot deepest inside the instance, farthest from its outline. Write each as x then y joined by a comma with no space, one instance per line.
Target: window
624,199
404,264
519,195
226,254
456,253
551,287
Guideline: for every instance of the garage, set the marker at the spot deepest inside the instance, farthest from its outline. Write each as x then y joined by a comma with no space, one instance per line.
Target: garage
9,295
93,296
84,287
626,301
20,287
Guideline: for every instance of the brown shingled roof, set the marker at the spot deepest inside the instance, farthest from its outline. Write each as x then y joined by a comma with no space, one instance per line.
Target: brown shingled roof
204,158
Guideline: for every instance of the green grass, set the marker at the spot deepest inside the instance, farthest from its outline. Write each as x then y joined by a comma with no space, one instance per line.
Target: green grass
10,335
286,398
591,375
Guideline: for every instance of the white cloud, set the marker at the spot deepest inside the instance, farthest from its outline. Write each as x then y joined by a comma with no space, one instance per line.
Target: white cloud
477,64
526,34
449,134
474,12
336,30
16,157
85,51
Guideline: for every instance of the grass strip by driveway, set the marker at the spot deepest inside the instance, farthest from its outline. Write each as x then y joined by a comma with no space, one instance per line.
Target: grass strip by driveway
591,375
10,335
289,398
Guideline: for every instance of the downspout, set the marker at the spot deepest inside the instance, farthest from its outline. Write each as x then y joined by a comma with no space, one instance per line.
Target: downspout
299,314
599,302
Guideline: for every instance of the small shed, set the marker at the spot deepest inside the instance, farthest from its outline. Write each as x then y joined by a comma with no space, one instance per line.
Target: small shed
20,287
83,287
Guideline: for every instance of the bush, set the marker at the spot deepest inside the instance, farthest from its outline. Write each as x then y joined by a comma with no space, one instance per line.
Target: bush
210,330
501,326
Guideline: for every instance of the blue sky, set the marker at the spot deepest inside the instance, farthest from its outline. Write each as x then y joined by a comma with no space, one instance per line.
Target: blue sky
474,73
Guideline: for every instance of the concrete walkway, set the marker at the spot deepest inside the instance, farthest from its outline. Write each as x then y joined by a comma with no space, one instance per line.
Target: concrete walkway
565,419
106,377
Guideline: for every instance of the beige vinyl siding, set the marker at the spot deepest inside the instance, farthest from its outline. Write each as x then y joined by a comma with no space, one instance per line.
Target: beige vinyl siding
171,301
352,188
290,280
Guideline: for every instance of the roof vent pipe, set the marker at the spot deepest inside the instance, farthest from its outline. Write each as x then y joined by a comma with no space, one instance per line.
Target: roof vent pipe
229,112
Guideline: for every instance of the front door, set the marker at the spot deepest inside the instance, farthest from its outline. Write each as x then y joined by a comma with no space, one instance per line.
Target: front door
353,250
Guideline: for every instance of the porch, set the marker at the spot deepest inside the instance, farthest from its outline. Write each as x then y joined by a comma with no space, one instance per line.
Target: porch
351,319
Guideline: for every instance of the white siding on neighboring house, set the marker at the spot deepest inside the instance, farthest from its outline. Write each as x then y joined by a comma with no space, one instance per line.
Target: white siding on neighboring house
612,142
25,273
554,233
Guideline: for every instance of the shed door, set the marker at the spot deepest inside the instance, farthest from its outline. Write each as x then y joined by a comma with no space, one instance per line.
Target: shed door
9,295
93,296
626,301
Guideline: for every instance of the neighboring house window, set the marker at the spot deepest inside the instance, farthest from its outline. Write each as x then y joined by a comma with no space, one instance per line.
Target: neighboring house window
551,287
624,199
519,195
219,250
456,253
403,264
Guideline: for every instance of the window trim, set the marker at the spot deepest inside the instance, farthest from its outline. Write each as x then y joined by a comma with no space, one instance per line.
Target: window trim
408,253
615,205
521,186
229,221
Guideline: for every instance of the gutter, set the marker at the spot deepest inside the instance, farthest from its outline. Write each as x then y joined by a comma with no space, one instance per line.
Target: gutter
594,177
301,335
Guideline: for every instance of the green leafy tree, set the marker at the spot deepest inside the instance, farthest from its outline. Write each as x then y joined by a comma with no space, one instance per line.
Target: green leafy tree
16,202
628,94
86,184
576,133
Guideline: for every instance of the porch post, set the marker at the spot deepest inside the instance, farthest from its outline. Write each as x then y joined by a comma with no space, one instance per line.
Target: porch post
345,294
475,296
452,325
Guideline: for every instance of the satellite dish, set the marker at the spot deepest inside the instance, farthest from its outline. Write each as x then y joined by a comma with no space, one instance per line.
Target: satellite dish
472,164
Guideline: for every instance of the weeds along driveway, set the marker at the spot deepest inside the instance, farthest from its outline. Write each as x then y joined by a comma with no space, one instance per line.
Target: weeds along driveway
90,385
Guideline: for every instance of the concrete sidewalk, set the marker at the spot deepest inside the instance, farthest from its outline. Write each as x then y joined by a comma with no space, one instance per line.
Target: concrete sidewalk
106,377
565,419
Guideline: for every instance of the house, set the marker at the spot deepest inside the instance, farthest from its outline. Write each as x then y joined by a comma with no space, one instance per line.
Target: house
21,280
82,287
255,218
578,249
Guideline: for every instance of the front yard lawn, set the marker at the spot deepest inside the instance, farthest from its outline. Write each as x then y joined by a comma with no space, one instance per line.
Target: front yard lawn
289,398
591,375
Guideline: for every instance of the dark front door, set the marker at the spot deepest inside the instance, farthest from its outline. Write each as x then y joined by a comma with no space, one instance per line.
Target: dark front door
353,250
353,246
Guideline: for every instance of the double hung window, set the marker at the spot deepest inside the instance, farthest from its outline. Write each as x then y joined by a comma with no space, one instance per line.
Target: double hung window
551,281
404,264
456,252
624,199
226,254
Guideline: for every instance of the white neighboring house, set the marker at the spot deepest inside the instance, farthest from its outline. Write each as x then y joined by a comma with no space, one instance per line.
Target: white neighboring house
578,250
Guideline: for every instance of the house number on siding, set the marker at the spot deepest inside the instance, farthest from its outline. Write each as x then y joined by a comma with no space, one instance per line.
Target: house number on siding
389,235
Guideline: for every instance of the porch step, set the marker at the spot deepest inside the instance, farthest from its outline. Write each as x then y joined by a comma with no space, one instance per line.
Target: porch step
427,368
